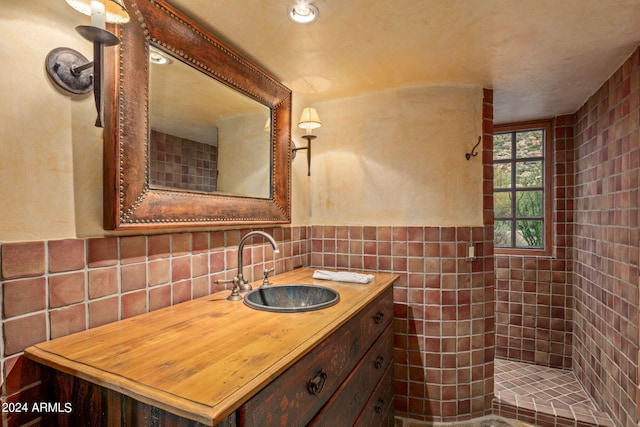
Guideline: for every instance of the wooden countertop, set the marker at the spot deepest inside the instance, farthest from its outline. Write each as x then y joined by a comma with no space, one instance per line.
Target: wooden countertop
204,358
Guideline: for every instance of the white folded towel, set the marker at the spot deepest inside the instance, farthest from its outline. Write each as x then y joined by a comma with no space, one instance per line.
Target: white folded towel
343,276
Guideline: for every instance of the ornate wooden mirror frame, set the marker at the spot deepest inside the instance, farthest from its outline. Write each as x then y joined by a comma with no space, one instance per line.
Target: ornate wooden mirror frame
129,201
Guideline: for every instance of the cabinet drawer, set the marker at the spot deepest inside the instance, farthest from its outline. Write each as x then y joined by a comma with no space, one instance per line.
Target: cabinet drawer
372,320
346,404
378,410
302,390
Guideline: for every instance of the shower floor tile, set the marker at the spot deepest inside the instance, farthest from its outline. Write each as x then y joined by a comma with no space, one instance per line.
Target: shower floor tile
544,396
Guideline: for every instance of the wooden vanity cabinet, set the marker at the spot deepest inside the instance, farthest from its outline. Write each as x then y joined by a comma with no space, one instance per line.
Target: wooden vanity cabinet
340,378
359,391
378,411
93,405
345,378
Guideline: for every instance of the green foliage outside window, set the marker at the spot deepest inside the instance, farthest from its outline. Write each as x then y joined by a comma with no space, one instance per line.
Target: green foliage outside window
519,189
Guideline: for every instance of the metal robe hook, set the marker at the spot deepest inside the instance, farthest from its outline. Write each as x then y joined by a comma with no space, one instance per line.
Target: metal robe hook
473,152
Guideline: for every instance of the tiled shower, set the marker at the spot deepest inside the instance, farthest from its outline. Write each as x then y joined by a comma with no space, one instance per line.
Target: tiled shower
578,309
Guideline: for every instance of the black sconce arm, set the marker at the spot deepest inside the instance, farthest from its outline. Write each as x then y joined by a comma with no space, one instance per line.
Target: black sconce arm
309,138
74,73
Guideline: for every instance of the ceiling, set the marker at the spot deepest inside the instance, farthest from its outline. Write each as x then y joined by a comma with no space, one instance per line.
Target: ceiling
541,57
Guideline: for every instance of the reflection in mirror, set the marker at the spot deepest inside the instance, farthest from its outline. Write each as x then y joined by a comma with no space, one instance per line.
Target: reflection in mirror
132,200
204,136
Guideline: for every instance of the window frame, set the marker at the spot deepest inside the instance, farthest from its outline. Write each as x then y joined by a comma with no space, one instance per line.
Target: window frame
547,186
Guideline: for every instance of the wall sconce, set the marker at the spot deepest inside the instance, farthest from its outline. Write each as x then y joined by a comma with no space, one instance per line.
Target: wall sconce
69,69
309,120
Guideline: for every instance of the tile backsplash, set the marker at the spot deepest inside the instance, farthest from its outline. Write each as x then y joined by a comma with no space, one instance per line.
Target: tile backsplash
443,303
55,288
443,311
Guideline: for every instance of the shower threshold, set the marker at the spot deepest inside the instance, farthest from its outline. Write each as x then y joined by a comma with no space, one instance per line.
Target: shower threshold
543,396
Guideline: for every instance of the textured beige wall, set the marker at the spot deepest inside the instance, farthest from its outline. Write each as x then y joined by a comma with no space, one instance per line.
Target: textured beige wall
244,155
398,157
50,152
300,183
389,158
51,155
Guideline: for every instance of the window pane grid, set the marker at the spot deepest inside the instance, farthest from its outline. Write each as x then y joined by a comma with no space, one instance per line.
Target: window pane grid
519,189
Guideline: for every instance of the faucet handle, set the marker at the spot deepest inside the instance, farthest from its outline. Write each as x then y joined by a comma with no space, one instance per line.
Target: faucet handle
265,279
235,291
243,283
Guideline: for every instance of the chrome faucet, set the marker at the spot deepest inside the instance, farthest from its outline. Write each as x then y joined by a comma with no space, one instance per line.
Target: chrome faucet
240,284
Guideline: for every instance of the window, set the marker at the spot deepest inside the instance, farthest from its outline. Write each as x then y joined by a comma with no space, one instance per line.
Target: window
521,187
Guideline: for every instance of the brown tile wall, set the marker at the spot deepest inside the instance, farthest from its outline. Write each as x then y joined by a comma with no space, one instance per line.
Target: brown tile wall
181,163
443,303
606,216
579,308
55,288
534,301
443,311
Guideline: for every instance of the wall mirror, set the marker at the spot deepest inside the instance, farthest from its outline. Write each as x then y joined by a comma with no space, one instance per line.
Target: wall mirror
201,140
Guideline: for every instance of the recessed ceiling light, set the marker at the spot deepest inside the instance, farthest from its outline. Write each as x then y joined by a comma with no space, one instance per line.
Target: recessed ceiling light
303,13
158,57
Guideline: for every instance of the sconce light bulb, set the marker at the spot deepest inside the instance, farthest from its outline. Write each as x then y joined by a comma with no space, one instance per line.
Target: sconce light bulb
97,14
101,11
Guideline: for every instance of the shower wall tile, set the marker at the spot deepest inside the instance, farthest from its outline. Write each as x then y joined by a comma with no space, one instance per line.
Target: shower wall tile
606,215
594,267
534,299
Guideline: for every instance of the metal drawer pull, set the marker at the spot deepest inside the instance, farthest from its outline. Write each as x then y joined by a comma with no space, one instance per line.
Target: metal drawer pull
378,363
378,318
316,384
379,407
355,346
